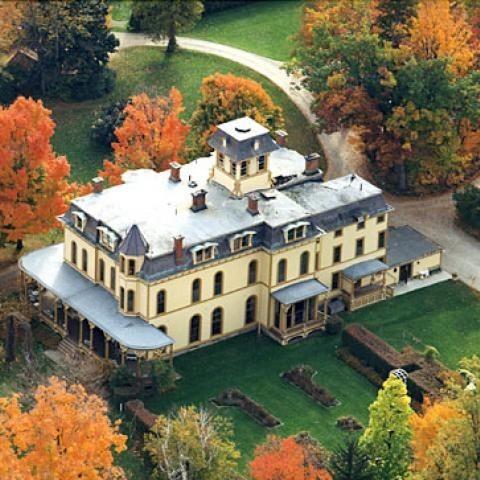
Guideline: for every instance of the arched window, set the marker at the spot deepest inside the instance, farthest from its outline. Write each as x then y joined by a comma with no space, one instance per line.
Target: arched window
196,290
112,278
84,260
304,261
195,329
101,270
163,329
252,272
217,321
281,270
130,301
122,298
74,253
218,284
251,310
161,297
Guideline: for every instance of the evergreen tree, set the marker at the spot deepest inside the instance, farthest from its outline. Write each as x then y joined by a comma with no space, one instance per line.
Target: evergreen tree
350,461
388,435
394,18
166,18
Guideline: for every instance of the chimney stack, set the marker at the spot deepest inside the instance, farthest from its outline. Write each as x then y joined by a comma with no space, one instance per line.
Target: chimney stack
281,137
97,184
175,172
252,206
178,249
199,200
311,164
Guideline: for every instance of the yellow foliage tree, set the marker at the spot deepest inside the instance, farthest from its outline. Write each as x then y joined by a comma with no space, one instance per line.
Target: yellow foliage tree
67,435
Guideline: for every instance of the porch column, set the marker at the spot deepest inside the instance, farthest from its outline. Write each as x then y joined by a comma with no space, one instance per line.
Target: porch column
170,355
55,312
91,326
315,308
80,330
123,351
107,344
325,308
283,317
65,318
384,282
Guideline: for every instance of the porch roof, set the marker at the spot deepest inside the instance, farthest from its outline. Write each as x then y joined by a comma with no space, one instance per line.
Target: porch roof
91,301
363,269
299,291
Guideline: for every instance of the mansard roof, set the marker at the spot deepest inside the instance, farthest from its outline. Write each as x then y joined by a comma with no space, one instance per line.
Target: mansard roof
134,243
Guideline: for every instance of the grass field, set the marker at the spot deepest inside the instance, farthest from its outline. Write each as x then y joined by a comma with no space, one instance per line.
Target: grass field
146,69
446,316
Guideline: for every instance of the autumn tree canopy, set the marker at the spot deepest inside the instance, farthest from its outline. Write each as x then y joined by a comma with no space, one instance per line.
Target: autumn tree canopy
152,134
66,434
33,179
226,97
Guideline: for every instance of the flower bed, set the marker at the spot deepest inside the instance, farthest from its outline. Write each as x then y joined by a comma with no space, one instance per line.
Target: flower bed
236,398
302,377
349,424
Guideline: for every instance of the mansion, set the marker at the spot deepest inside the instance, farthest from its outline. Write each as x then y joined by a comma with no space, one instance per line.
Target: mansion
250,237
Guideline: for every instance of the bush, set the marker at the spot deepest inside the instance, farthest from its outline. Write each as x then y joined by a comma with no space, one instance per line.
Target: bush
430,354
107,120
334,325
163,375
349,423
467,204
121,377
89,86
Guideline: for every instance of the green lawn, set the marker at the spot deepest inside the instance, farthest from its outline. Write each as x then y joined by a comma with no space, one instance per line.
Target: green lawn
146,69
121,10
264,28
446,315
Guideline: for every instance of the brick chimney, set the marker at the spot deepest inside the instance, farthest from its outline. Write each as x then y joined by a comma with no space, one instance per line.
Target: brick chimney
178,249
175,172
97,184
311,164
252,206
198,202
281,137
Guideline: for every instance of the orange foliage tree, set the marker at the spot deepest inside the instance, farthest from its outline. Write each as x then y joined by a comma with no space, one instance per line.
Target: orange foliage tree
285,459
10,17
226,97
33,180
66,435
439,31
152,134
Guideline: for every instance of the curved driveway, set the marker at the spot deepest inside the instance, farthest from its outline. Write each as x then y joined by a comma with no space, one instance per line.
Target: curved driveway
433,216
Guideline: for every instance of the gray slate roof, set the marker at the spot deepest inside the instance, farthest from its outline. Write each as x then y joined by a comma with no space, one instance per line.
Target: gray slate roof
240,136
406,244
363,269
93,302
299,291
134,243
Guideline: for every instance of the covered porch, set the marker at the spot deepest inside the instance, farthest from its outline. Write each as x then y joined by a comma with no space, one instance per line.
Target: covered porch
86,313
296,310
364,283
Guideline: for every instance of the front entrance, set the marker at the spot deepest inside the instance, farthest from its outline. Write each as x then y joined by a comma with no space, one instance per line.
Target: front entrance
405,273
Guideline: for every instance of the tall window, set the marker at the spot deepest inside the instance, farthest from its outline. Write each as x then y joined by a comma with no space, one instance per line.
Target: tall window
196,290
122,264
122,298
381,239
335,280
74,253
304,261
243,168
359,247
101,270
337,254
281,270
161,302
261,163
194,329
112,278
252,272
218,284
131,267
217,320
130,301
84,260
250,310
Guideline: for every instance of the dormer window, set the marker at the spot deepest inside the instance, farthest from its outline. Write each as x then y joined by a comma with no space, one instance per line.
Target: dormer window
204,252
80,220
256,144
107,238
224,141
243,240
295,231
221,158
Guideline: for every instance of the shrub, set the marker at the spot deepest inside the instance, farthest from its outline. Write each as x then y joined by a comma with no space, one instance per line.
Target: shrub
107,120
334,325
121,377
86,86
430,354
349,423
467,204
163,375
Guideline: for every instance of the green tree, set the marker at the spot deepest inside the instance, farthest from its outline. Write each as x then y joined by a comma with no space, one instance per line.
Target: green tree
192,444
350,461
166,18
72,42
388,435
394,18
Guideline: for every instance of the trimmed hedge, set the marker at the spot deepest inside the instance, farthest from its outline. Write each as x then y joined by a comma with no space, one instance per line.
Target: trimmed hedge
352,361
302,377
145,418
236,398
